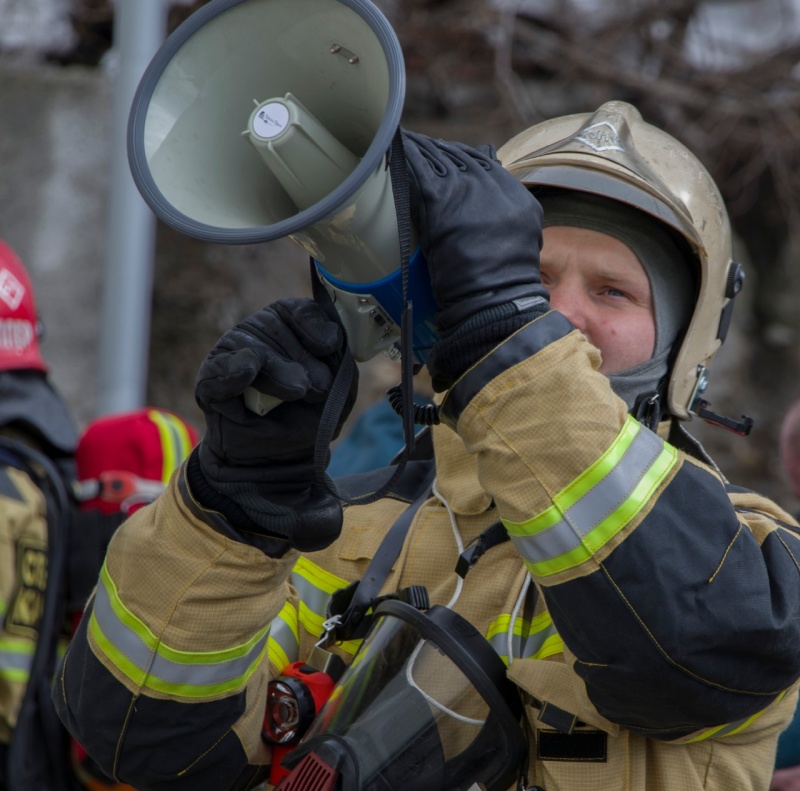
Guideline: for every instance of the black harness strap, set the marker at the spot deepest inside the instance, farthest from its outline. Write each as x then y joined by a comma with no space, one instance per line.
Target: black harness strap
349,606
493,535
337,397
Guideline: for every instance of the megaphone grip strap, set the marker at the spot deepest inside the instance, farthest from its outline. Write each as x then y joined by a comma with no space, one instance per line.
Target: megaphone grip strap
334,409
337,396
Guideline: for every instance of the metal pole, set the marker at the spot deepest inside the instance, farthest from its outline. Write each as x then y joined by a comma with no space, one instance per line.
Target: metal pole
139,30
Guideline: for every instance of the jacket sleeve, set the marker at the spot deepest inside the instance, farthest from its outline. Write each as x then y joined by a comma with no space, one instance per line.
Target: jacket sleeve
678,598
164,682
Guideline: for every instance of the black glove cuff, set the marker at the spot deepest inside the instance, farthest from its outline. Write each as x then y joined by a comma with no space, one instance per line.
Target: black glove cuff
205,492
312,522
460,349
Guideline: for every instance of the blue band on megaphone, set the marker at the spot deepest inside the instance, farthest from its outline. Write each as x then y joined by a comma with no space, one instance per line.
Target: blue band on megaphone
388,292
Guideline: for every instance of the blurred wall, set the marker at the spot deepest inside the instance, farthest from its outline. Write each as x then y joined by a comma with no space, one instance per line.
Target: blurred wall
53,191
54,149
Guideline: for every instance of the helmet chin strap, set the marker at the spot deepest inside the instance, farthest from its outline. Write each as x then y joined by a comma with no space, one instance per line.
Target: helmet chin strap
644,379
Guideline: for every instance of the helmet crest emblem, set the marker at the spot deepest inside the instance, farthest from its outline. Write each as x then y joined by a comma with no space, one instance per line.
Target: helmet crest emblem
11,290
601,137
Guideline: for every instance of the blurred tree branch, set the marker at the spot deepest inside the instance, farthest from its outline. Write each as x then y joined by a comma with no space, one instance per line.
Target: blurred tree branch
546,59
517,62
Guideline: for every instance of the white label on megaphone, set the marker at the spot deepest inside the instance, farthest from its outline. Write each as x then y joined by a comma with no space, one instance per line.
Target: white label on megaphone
270,120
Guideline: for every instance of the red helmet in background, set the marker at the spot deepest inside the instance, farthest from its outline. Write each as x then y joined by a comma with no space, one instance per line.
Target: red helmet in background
131,456
19,332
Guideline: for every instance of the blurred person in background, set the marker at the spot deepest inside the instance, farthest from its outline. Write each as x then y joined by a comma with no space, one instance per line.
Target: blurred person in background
789,446
38,438
62,495
787,762
635,616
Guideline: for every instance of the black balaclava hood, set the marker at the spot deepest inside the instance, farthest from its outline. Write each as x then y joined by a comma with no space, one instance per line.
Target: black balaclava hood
29,402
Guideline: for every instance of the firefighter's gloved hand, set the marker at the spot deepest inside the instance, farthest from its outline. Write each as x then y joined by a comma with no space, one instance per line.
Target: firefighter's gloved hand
481,231
259,470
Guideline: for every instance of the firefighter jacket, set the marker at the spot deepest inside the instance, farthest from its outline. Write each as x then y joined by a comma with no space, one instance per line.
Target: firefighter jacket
37,439
23,582
34,515
648,611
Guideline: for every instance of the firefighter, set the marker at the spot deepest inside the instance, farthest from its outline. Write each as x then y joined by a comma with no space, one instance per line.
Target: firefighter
37,443
54,531
787,760
789,447
644,610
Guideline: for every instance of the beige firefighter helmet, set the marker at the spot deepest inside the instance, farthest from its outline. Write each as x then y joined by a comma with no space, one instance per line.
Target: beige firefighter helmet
614,153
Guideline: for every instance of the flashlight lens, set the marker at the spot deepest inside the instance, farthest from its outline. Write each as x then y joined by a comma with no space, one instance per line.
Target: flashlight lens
283,713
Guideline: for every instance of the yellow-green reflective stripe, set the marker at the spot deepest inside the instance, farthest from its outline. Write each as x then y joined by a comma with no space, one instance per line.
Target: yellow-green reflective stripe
175,441
597,505
733,728
10,645
15,659
535,639
284,641
132,648
15,676
586,481
317,576
315,586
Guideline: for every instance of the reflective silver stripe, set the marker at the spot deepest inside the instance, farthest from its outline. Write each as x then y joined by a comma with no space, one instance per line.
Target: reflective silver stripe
522,646
595,505
15,661
313,597
193,673
732,728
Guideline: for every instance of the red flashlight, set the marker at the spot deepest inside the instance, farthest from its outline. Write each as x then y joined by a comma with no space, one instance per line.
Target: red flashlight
293,700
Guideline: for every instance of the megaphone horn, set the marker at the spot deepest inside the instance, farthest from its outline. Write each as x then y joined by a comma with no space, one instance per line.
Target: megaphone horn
307,162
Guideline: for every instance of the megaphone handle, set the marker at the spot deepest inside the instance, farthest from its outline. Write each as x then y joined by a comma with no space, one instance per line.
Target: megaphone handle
259,402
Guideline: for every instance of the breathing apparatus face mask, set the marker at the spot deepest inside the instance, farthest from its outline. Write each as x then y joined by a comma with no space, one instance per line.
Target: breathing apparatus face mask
425,706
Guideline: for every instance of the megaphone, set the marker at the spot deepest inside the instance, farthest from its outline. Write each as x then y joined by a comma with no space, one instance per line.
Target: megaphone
262,119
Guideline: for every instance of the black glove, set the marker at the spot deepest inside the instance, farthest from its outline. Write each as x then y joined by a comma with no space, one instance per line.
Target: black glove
259,470
481,231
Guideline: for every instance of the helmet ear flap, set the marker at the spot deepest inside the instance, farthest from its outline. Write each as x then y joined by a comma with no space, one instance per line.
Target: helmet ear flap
20,327
614,153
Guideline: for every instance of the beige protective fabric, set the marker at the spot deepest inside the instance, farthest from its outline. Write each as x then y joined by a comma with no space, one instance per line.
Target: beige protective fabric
198,591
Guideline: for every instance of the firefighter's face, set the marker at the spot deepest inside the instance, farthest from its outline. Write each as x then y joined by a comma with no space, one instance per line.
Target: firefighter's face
599,285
